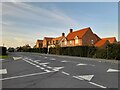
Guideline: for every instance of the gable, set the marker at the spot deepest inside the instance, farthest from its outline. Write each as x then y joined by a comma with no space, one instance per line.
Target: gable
79,33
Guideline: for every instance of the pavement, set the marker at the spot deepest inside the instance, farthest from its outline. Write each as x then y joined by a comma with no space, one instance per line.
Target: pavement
35,70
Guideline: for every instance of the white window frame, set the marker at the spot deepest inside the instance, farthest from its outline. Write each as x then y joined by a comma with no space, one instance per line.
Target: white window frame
76,40
70,42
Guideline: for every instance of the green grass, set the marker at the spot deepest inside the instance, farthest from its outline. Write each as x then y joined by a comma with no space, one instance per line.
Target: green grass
4,56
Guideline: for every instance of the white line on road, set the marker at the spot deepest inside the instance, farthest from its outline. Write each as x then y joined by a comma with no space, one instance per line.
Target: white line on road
43,63
36,60
52,59
47,70
65,73
97,85
3,71
64,61
37,66
81,64
77,78
28,75
29,62
49,67
42,68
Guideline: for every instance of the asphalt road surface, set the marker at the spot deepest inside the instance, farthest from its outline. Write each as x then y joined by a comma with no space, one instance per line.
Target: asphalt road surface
34,70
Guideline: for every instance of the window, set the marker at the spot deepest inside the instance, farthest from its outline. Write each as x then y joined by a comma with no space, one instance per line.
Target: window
70,42
76,40
65,42
92,41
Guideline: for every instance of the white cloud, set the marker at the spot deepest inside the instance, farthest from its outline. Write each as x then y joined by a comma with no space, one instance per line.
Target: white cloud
28,12
48,22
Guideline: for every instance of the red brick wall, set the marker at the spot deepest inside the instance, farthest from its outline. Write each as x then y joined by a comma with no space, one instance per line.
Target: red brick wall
86,40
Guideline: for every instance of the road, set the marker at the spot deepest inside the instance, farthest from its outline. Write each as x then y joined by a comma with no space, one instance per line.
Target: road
34,70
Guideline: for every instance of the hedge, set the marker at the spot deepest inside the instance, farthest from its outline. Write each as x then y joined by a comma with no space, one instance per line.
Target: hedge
39,50
82,51
112,51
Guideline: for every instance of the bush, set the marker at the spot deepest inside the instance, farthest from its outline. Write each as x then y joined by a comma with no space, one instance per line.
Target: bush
101,53
113,51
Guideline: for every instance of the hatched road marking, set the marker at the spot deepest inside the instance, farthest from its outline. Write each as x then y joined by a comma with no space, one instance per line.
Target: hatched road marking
65,73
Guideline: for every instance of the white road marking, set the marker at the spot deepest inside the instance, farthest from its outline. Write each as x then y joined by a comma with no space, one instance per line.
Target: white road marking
42,68
3,71
45,57
113,70
81,64
17,58
37,66
28,75
65,73
64,61
47,70
36,60
57,68
97,85
2,59
86,77
77,77
52,59
29,62
43,63
49,67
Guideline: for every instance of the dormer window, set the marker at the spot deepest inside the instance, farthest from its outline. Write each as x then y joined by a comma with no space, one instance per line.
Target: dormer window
76,40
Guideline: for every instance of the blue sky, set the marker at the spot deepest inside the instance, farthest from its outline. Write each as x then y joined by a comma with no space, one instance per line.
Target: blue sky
24,23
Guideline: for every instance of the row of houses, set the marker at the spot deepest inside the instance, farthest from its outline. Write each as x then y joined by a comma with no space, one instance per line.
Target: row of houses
80,37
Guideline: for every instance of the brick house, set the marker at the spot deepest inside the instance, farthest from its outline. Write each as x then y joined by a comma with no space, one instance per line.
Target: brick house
51,42
111,39
104,41
47,41
80,37
39,44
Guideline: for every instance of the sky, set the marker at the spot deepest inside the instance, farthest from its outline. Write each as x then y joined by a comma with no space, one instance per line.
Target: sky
25,22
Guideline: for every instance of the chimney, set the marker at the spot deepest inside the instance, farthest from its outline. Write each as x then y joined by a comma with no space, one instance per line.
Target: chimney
63,34
71,30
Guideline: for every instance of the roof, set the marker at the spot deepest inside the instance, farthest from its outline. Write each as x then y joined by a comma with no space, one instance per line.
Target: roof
97,36
48,38
101,42
118,42
79,33
110,39
39,41
57,38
